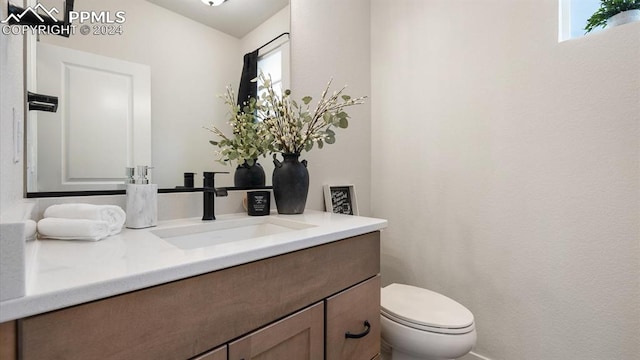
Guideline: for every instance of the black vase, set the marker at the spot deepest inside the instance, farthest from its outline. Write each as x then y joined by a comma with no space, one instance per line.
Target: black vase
290,184
249,175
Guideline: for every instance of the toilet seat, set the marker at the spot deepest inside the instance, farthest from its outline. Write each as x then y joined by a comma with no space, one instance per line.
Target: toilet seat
425,310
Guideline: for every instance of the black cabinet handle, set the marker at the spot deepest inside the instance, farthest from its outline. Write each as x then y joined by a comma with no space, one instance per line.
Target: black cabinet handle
367,327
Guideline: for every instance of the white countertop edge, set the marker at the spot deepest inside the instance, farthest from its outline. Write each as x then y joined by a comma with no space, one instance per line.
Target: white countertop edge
37,304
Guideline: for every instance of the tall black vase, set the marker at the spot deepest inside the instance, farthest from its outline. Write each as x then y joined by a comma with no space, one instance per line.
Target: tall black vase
249,175
290,184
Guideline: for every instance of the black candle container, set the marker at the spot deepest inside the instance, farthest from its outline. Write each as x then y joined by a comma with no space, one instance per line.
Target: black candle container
258,203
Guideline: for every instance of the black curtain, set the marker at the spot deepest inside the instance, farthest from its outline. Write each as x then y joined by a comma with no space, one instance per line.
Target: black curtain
249,72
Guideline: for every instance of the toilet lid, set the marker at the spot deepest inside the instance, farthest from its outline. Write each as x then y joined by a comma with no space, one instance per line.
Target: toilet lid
423,307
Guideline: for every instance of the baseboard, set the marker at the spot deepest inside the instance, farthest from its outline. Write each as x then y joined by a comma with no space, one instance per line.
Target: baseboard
474,356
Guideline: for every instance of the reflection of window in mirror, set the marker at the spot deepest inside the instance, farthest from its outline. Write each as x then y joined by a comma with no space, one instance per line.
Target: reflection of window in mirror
270,64
274,62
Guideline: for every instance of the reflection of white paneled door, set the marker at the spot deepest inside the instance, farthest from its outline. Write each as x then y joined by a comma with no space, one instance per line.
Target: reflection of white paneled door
103,123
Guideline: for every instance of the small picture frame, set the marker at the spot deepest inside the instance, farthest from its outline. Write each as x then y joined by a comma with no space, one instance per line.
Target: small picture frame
341,199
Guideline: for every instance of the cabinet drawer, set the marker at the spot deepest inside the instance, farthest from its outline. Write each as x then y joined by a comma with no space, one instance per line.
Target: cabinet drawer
297,337
347,312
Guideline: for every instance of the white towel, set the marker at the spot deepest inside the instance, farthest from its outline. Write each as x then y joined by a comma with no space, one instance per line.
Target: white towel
29,230
73,229
112,214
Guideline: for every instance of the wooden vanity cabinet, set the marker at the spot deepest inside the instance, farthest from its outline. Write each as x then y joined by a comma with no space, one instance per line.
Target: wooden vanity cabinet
278,305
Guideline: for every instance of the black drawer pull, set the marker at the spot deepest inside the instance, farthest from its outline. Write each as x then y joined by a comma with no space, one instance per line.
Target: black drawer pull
367,326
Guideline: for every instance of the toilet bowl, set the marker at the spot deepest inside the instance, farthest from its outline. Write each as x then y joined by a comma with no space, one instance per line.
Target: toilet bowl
419,324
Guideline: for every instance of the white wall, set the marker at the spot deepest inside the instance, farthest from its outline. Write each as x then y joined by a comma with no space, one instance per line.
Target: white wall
331,39
508,167
11,97
191,64
272,27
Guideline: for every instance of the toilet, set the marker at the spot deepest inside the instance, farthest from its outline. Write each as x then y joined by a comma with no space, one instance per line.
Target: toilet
419,324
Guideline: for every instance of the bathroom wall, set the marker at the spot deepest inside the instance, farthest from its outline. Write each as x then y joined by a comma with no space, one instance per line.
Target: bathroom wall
272,27
11,97
507,165
331,39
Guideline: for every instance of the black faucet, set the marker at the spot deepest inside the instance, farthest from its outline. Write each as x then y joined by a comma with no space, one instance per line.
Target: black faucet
210,192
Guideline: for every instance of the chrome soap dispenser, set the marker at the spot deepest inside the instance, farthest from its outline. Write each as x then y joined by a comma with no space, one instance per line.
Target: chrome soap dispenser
142,201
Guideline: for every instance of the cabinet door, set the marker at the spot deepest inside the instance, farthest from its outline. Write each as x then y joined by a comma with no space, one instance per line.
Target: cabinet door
297,337
353,322
217,354
8,341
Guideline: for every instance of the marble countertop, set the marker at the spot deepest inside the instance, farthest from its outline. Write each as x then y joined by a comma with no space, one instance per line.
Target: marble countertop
67,273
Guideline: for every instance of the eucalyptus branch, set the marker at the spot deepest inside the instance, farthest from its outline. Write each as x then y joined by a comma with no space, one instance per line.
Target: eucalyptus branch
295,127
250,137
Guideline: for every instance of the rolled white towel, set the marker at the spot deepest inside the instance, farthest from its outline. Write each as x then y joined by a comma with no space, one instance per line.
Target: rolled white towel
112,214
73,229
29,230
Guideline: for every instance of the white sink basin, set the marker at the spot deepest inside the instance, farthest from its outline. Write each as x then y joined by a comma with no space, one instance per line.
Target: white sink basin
223,231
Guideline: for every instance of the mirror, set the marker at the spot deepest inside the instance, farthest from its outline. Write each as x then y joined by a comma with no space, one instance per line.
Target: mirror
167,62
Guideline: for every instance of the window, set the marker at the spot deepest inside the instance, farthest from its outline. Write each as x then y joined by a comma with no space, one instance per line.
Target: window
274,62
573,17
271,65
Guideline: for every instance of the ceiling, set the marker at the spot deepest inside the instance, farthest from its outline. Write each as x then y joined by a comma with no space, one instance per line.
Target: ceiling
234,17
